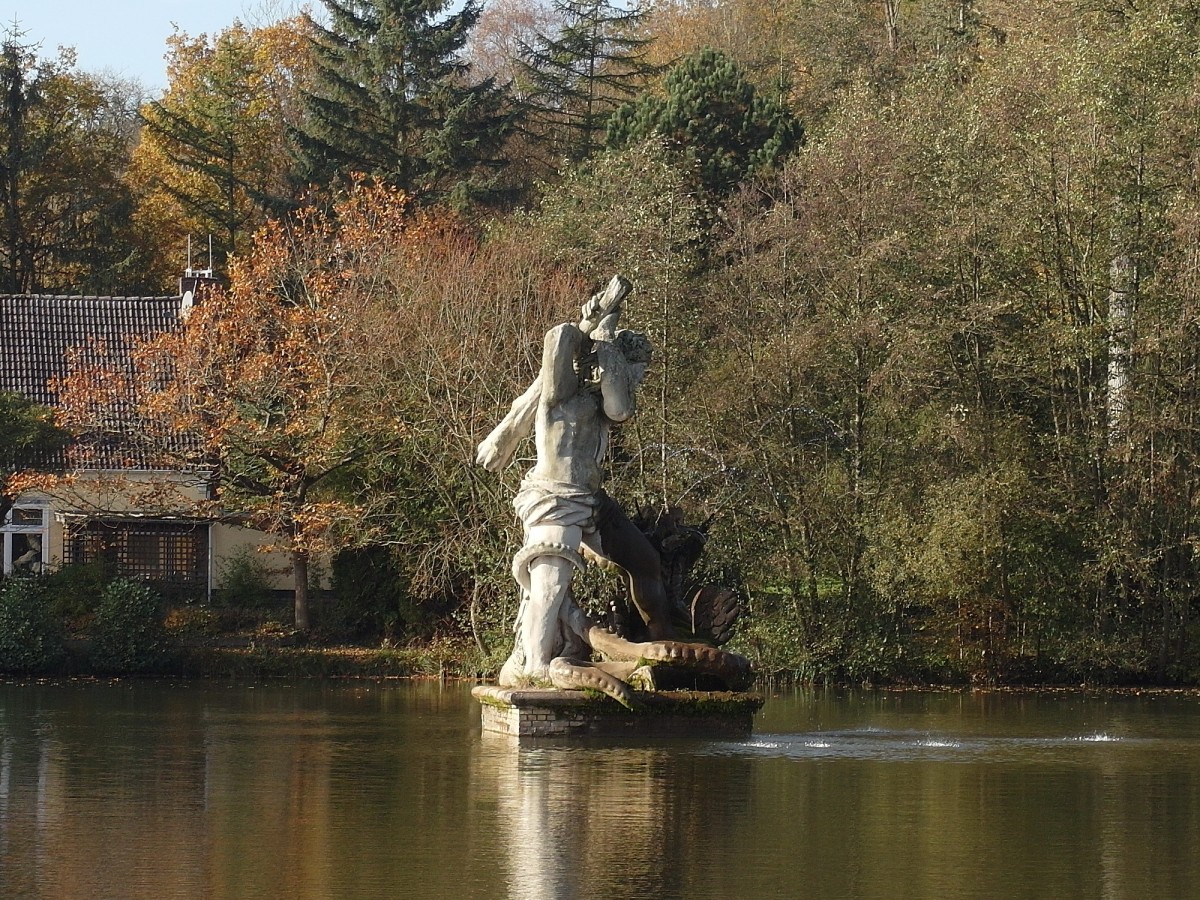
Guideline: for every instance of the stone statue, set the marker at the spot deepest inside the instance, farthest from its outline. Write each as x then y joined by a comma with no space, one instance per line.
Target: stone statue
589,376
31,559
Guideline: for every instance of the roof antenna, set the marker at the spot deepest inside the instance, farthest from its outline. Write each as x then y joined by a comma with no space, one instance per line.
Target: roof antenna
192,279
199,273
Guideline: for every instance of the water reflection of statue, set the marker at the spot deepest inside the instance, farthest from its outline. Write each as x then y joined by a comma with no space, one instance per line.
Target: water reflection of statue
589,374
563,802
31,559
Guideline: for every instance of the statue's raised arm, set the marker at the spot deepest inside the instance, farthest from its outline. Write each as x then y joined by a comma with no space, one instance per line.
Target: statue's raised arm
496,451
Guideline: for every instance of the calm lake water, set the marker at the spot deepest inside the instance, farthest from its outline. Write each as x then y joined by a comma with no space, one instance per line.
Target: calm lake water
374,790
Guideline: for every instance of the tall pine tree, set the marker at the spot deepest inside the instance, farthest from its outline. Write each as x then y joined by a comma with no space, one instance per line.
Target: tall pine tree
392,100
595,62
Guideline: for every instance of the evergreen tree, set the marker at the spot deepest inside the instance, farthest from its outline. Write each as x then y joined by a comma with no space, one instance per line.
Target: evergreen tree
712,114
22,93
595,62
392,100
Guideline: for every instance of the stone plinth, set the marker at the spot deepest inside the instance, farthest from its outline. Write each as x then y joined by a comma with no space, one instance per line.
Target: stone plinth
535,712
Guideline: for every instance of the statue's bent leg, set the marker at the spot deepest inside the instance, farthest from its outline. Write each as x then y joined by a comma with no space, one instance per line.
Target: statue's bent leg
624,544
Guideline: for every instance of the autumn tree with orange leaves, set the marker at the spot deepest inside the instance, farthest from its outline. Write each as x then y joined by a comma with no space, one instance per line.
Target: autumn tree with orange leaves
259,383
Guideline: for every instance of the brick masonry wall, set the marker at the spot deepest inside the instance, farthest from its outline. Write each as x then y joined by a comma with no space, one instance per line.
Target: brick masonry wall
535,714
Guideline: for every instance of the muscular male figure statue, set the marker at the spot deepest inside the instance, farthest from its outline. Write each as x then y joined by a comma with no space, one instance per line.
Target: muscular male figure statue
589,375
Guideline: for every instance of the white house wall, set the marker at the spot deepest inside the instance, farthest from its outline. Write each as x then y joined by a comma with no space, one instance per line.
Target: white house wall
155,497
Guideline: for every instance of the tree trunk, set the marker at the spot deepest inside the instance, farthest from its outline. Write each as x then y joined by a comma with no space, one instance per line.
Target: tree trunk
1121,295
475,633
300,576
891,23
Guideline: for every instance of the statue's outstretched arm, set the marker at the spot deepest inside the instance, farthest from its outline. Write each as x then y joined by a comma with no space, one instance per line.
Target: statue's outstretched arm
496,450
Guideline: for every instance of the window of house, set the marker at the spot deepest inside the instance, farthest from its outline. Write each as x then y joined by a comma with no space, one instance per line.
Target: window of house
26,533
172,555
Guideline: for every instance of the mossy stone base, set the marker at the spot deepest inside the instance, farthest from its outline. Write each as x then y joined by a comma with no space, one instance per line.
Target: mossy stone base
538,712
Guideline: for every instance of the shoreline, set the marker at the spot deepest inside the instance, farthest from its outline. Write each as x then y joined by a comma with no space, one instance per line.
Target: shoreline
427,662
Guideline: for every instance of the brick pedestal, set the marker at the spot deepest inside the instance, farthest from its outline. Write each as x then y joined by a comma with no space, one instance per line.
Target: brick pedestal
533,712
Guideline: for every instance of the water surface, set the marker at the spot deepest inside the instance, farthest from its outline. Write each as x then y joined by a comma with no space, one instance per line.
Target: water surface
365,790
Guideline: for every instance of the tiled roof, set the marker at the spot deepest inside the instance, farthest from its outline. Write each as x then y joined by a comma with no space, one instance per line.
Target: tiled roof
38,330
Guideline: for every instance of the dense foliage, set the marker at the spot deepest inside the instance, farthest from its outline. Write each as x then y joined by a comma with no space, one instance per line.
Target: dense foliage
64,202
934,375
129,635
31,638
214,158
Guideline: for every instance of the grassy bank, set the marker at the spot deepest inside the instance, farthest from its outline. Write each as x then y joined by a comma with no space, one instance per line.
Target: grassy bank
433,660
281,655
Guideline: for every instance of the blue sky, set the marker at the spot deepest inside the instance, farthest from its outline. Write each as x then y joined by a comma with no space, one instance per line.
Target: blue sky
128,37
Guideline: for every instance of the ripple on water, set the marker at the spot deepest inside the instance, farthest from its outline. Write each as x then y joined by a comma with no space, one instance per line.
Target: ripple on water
897,746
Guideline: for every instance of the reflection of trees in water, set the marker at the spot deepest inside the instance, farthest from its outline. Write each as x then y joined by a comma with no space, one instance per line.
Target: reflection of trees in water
269,789
594,820
78,809
24,800
176,791
306,790
400,813
347,790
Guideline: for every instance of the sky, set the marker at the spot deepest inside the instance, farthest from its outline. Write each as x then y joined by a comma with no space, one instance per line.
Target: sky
129,37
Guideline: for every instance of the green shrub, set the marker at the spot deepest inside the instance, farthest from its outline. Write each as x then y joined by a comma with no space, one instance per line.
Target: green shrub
128,633
30,632
75,590
370,595
192,624
245,582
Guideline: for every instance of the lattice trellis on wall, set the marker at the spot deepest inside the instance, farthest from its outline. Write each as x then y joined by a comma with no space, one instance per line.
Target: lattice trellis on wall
171,554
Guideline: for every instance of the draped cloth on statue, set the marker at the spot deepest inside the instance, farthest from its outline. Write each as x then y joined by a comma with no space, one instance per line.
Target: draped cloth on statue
543,502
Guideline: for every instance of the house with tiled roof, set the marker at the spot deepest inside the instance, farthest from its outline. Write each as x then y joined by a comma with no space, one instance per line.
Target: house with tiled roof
102,510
